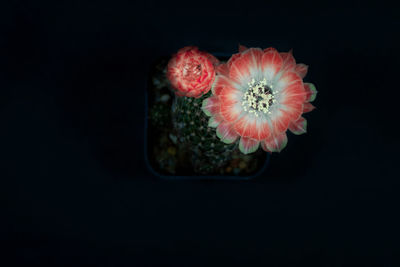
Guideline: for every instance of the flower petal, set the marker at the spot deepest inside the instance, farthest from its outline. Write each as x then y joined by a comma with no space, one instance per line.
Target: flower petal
242,48
240,71
264,147
301,69
291,97
231,112
231,103
280,120
269,49
299,126
215,120
254,56
248,145
232,59
263,129
271,63
289,63
213,59
307,107
230,95
311,91
211,106
222,69
246,66
226,133
246,126
220,83
287,79
254,127
276,142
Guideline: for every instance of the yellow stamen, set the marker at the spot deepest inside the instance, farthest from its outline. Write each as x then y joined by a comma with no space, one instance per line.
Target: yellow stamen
259,97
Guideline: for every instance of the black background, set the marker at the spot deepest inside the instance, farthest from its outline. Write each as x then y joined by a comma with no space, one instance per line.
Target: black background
74,184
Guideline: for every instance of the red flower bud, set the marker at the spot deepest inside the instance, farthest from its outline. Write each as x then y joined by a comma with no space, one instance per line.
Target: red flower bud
191,72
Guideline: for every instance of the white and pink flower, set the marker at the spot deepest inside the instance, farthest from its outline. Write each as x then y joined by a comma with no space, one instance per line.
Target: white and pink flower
256,96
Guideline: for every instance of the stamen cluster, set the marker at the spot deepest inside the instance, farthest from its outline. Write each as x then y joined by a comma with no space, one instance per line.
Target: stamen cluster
258,98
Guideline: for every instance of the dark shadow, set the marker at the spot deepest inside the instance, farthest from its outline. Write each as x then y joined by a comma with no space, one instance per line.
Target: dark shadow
102,100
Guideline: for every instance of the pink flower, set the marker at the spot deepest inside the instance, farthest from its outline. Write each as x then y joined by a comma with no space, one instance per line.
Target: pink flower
258,95
191,72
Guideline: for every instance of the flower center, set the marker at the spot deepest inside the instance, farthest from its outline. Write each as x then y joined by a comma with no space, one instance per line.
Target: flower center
258,98
192,71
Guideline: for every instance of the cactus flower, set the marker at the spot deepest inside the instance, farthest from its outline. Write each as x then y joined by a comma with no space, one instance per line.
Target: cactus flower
191,72
257,96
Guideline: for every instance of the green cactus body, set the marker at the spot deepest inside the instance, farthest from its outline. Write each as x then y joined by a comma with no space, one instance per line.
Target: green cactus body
208,153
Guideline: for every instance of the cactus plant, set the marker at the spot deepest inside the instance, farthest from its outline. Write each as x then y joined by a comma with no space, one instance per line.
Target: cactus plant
208,153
